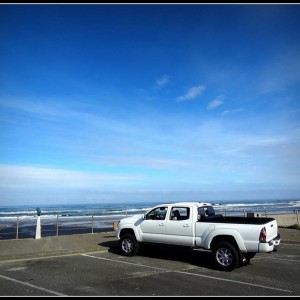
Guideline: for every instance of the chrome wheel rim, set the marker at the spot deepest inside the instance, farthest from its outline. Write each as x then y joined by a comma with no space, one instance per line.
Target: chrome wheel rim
224,257
127,245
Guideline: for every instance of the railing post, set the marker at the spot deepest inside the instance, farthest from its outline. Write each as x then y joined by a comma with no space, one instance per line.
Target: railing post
38,227
92,223
56,225
17,234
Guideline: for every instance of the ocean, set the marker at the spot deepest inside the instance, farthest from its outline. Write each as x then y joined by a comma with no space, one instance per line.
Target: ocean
20,221
109,209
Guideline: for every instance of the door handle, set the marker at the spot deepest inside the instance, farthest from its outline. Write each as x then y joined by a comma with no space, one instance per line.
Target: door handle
187,225
161,224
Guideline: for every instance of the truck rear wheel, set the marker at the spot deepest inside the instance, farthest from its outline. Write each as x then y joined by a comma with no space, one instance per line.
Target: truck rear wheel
225,256
128,245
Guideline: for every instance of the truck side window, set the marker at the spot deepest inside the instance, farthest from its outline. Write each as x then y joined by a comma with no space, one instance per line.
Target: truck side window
205,212
201,214
158,213
180,213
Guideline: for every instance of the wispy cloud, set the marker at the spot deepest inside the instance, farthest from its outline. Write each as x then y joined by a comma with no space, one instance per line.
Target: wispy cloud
214,103
192,93
162,82
38,177
232,111
38,108
158,163
53,110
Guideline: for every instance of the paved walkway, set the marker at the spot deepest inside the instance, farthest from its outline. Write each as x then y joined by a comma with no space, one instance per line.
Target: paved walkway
82,243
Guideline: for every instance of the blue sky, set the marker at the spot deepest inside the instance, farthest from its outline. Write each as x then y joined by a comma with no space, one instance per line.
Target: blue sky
102,103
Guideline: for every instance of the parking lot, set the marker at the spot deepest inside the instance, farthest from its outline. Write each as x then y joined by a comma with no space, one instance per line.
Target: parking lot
156,271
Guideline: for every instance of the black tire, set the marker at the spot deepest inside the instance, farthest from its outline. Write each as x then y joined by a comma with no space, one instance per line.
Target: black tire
248,256
226,256
128,245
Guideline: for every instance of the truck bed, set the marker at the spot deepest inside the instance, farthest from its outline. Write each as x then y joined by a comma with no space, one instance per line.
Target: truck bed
237,220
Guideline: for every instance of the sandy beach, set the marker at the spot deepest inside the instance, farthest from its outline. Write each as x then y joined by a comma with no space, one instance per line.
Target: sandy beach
286,219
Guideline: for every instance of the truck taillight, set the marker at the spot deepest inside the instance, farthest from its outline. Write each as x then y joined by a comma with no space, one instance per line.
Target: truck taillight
263,235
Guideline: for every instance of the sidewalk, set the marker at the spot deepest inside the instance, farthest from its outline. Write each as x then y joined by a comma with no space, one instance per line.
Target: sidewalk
83,243
56,245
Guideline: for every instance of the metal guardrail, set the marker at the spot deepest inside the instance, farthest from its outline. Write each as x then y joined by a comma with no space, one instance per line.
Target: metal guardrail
25,227
255,213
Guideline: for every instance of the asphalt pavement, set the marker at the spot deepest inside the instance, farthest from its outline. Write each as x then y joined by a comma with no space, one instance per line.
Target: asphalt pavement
83,243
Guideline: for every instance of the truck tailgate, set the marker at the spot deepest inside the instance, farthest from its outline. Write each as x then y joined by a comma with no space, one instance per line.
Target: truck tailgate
271,229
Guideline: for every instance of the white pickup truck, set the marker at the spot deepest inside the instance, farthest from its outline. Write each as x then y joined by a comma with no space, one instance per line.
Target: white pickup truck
233,241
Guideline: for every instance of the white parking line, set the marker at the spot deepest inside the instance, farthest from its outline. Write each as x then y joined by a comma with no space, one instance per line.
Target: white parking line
275,258
192,274
33,286
290,244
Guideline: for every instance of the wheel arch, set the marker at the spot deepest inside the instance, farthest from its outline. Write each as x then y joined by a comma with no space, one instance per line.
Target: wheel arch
227,238
127,230
133,231
232,236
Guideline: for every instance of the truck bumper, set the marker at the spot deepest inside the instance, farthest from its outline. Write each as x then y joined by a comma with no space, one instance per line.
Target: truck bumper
117,233
269,246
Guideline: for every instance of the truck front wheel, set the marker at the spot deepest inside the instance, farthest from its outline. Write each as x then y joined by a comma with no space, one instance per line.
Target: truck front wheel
128,245
225,256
